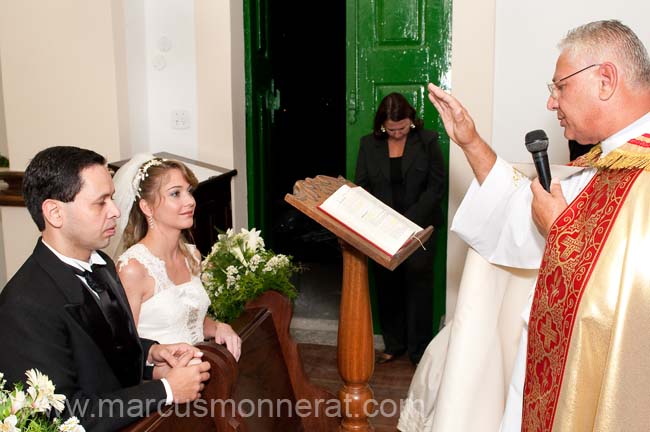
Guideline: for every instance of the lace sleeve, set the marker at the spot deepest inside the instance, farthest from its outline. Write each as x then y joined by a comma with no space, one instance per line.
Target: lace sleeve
155,266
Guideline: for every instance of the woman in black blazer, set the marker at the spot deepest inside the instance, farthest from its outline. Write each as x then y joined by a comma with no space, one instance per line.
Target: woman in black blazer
401,164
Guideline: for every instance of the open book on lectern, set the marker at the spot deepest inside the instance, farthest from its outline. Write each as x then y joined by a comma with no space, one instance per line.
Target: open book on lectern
370,218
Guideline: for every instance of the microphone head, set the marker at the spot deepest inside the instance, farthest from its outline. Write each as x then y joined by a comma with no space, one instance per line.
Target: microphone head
536,141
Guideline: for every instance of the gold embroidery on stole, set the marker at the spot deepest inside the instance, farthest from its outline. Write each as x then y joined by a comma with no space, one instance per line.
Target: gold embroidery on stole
572,249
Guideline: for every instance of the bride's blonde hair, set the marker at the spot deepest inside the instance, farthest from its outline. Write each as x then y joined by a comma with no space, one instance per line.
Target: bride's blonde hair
148,182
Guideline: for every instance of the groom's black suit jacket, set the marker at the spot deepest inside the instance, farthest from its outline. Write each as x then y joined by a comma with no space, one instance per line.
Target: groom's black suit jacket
50,321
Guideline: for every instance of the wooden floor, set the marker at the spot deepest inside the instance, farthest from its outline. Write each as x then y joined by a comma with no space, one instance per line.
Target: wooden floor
390,381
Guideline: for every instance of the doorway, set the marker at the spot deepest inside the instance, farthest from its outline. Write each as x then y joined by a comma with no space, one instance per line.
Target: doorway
308,135
313,82
301,60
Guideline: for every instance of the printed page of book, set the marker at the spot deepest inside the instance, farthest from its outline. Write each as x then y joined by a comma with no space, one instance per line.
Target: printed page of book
370,218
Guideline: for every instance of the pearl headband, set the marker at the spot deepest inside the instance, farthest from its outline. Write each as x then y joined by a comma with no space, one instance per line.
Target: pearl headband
143,174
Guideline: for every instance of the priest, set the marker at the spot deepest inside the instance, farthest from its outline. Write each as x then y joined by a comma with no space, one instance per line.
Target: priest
584,354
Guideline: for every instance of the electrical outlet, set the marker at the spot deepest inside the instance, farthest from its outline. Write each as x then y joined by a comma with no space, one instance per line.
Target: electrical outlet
180,119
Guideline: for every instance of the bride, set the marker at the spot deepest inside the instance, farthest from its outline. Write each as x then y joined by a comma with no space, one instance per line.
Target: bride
158,268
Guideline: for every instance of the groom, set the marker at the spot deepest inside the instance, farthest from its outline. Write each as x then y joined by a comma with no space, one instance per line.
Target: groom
65,312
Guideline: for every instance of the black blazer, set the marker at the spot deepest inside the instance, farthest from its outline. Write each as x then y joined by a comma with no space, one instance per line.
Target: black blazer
50,321
423,171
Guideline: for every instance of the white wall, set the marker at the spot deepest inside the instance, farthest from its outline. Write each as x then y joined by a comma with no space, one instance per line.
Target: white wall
161,63
170,50
188,55
162,76
221,108
472,78
527,33
61,76
137,71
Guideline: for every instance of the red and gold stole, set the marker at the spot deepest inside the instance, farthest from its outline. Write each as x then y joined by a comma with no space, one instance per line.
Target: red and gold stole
573,248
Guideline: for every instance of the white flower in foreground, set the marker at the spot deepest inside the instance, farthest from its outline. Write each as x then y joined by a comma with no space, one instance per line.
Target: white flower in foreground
71,425
41,391
39,402
57,402
2,380
18,401
39,381
9,424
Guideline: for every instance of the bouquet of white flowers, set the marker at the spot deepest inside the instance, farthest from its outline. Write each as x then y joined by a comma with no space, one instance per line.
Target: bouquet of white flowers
239,269
30,410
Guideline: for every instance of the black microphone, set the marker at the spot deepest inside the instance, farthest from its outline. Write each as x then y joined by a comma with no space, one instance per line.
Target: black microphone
537,143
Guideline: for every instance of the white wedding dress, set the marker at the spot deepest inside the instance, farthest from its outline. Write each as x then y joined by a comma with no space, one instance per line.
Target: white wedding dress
175,313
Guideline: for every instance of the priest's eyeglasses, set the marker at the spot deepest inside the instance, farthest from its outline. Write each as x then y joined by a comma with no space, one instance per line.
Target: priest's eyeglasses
553,85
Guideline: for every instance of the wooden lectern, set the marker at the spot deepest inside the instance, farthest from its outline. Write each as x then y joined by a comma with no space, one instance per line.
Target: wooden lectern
355,338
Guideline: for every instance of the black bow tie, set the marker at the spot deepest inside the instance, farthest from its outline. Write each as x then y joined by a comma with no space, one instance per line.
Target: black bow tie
91,278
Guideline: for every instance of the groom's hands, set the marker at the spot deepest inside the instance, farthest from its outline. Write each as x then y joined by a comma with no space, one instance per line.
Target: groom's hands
187,378
182,367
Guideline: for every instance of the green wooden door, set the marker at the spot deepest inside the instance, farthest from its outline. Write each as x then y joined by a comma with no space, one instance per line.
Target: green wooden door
397,46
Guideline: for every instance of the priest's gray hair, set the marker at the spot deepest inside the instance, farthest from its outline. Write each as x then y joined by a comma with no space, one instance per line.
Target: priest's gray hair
611,40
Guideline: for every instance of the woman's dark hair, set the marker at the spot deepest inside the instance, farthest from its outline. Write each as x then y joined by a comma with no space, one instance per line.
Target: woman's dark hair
394,107
55,173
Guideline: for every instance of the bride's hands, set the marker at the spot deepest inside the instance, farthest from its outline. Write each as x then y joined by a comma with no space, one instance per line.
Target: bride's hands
165,357
225,335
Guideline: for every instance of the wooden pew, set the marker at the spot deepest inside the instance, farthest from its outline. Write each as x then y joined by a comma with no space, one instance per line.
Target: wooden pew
266,391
